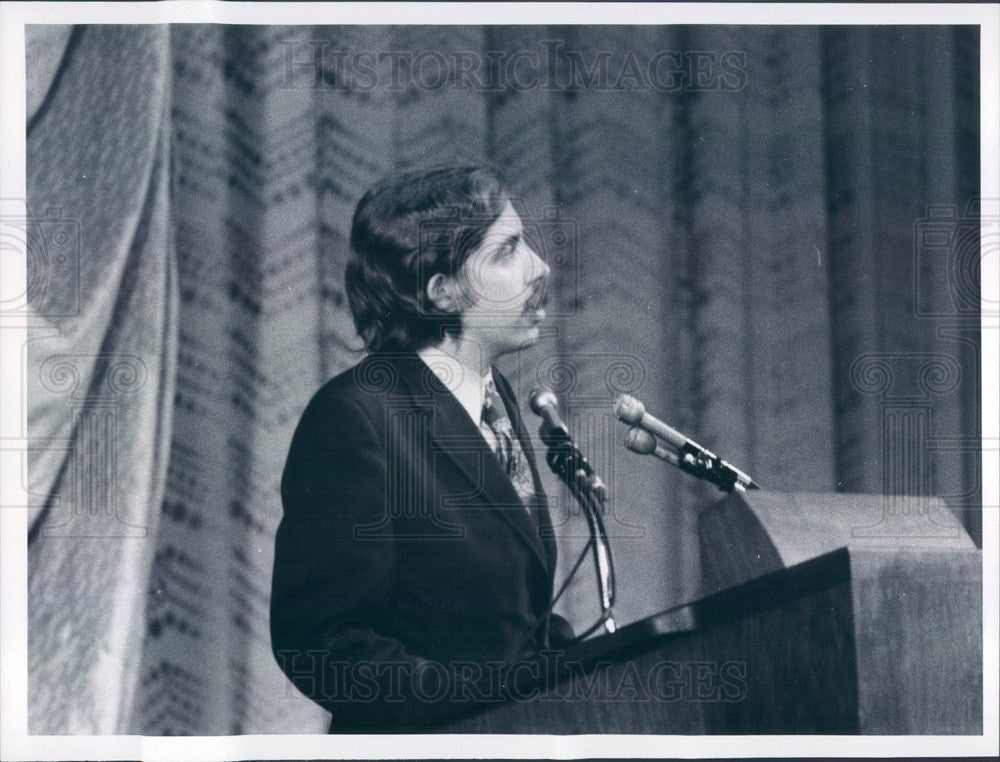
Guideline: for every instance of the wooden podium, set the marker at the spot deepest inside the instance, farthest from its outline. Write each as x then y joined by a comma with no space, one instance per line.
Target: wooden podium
840,614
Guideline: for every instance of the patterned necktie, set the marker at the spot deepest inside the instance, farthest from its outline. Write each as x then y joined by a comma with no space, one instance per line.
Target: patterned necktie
498,430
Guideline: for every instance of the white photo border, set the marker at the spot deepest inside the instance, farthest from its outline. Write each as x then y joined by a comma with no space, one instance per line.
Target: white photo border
15,743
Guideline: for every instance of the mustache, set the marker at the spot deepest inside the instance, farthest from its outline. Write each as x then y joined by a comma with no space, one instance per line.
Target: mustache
539,297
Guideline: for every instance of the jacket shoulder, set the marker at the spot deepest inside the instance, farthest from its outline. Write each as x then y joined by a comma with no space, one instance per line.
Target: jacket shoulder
340,417
371,385
366,385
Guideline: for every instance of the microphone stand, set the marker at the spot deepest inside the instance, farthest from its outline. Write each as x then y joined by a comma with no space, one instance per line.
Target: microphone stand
711,468
569,464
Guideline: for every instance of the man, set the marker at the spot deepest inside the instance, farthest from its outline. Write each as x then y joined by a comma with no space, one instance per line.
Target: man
414,562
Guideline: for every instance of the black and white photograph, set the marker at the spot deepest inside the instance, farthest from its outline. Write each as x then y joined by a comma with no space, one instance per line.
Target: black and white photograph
470,380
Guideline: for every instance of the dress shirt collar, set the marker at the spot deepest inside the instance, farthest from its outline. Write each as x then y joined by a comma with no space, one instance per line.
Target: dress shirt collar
465,383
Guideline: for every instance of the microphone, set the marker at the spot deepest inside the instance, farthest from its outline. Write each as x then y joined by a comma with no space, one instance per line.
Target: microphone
690,456
642,442
629,410
543,401
564,457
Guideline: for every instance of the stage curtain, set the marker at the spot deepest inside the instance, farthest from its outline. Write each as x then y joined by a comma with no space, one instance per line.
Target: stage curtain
100,365
758,263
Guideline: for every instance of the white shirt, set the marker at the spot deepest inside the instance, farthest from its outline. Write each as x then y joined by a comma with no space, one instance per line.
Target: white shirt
465,383
468,387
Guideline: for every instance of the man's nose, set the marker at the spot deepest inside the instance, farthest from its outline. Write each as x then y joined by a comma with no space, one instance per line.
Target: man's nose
539,267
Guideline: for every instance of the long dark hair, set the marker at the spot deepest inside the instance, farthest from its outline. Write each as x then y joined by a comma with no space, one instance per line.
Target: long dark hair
406,229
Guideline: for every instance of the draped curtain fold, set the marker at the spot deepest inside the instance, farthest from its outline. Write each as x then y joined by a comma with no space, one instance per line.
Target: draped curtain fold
100,355
758,264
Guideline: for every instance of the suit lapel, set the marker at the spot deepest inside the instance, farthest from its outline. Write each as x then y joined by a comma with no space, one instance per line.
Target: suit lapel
454,435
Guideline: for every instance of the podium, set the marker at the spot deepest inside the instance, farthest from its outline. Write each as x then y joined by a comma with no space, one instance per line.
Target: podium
835,614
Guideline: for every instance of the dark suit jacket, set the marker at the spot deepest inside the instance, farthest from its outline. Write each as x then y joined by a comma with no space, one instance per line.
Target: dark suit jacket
404,558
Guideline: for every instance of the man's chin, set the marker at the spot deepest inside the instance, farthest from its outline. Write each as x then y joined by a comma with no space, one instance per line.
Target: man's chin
525,340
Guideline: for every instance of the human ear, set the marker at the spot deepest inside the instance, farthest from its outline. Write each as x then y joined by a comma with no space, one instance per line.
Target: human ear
442,293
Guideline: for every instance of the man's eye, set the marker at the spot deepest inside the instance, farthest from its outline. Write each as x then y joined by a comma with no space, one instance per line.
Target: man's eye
505,251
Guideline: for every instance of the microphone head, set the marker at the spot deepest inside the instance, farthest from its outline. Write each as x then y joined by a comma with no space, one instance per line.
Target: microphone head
640,441
629,409
540,398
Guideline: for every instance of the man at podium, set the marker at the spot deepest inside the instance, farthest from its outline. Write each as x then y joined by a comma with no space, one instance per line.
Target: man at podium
414,561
